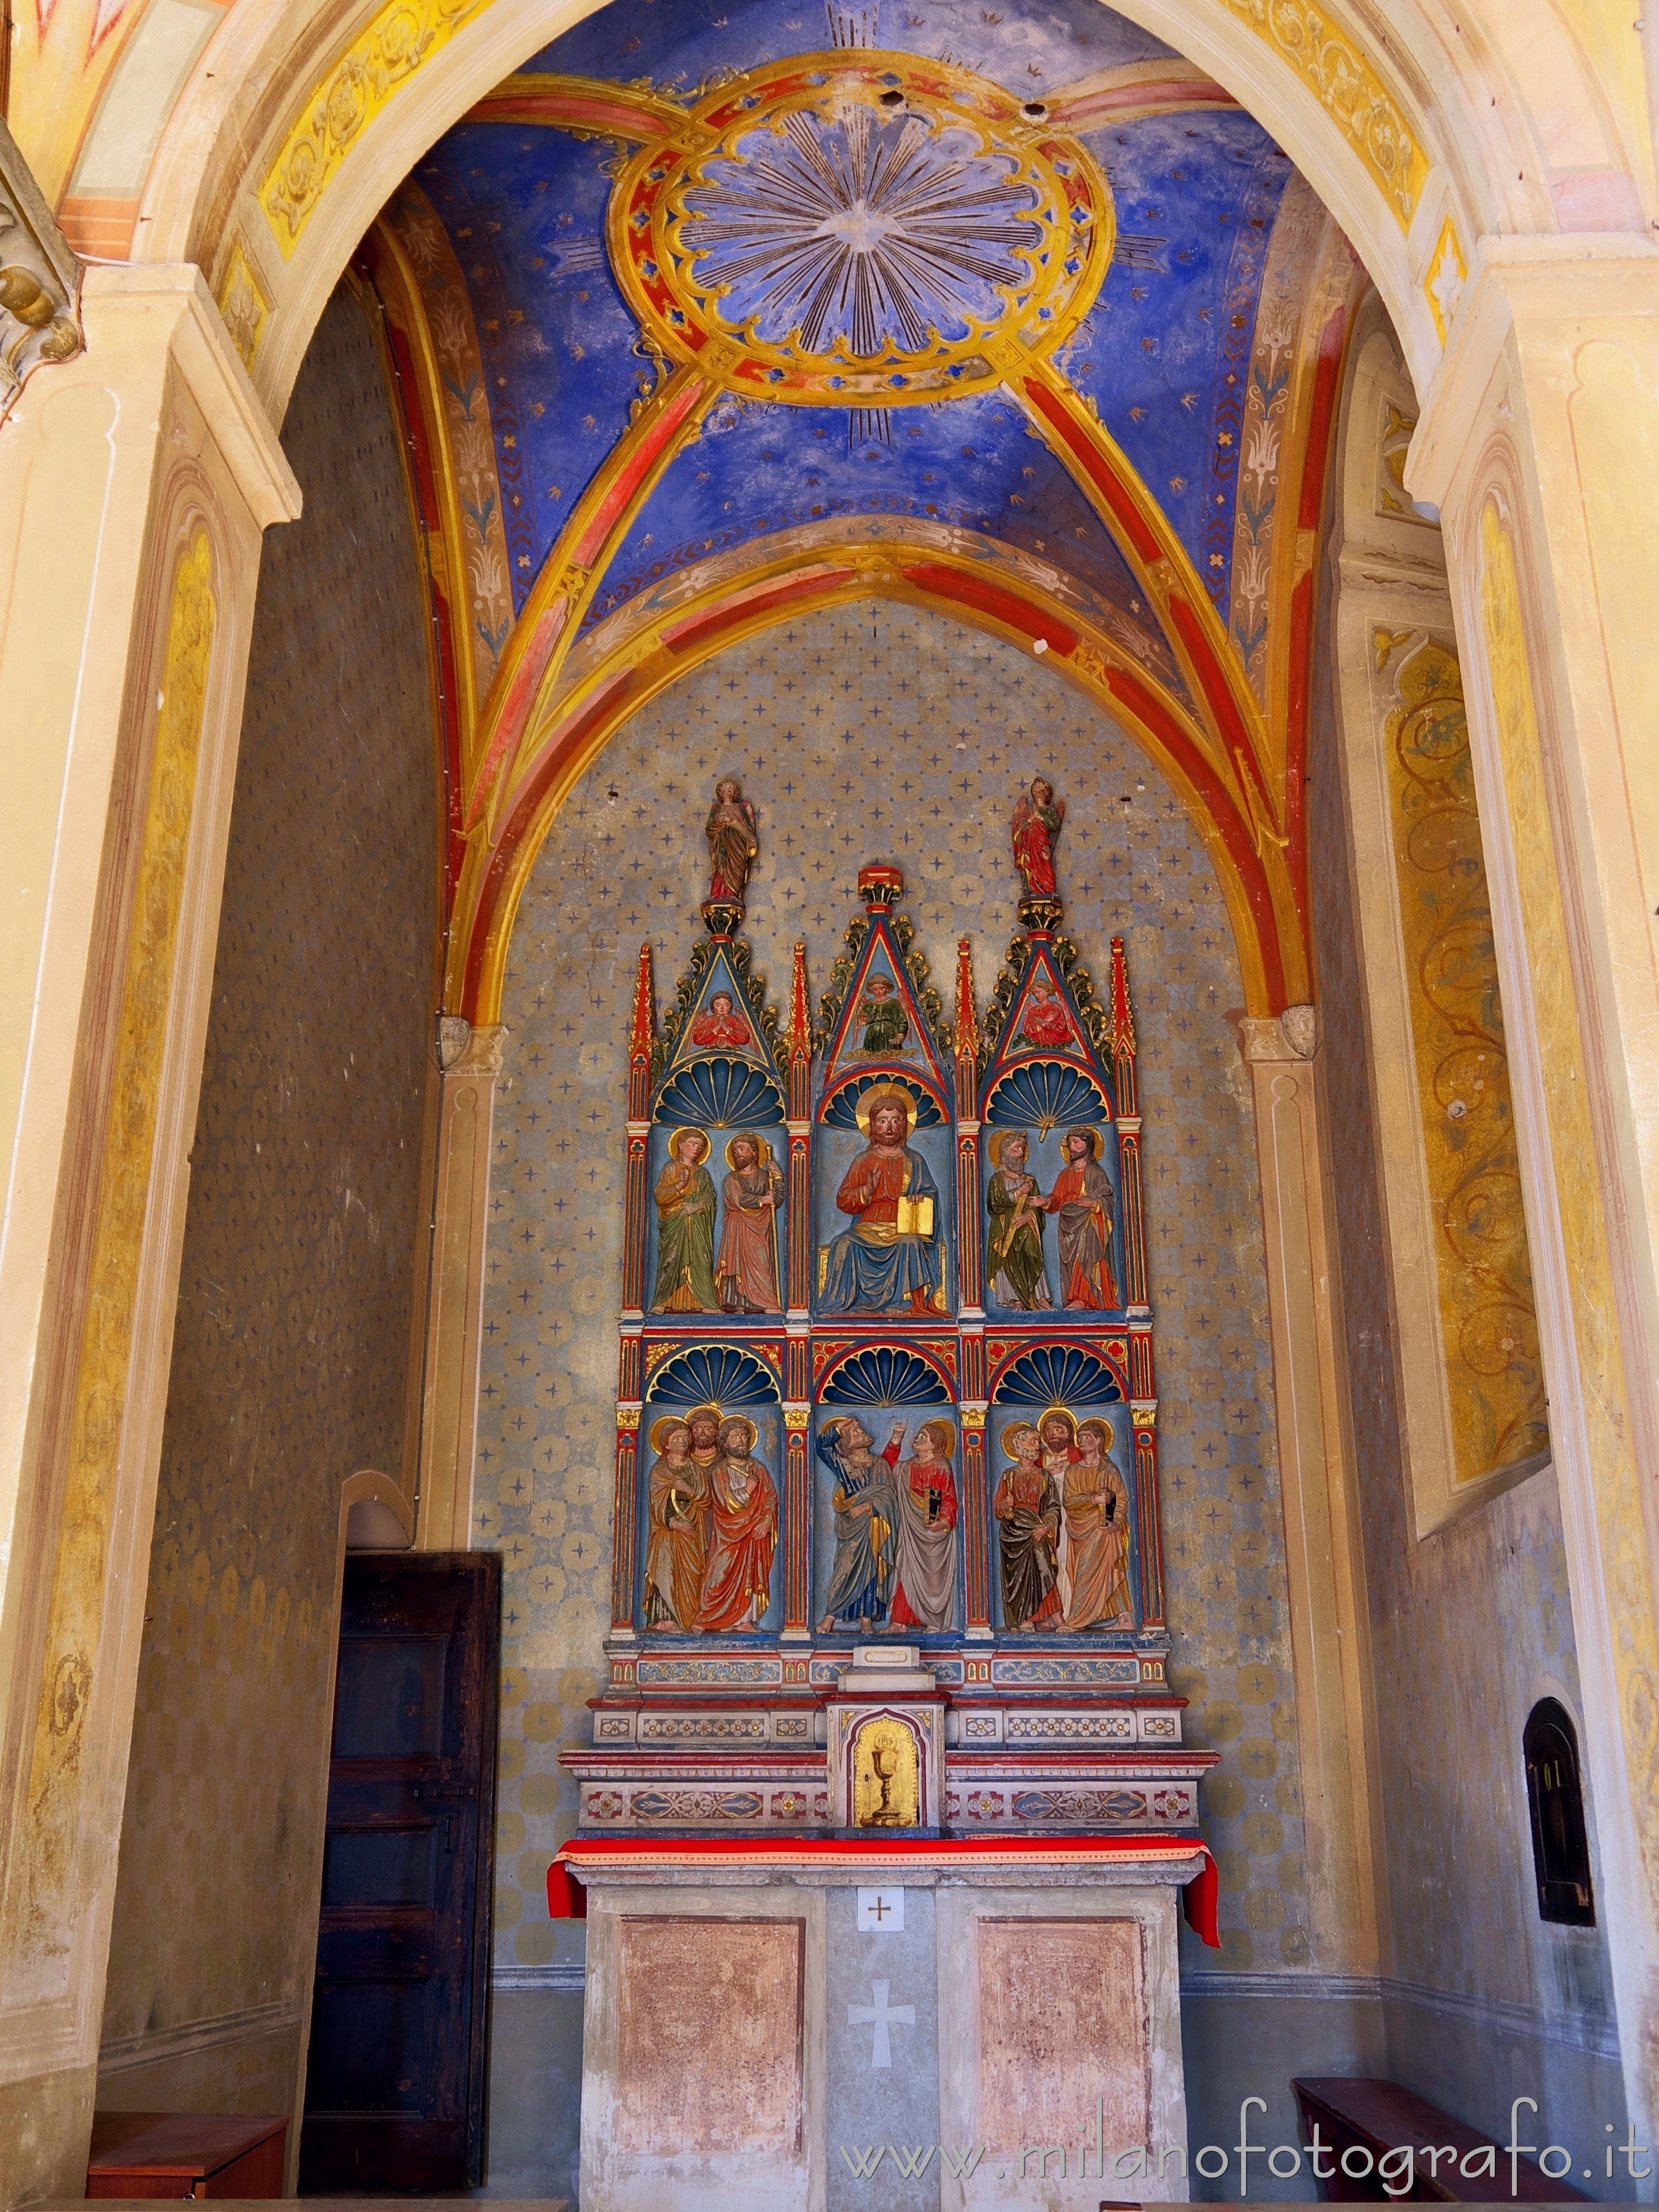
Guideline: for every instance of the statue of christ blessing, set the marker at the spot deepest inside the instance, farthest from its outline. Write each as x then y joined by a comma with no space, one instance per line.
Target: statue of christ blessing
891,1257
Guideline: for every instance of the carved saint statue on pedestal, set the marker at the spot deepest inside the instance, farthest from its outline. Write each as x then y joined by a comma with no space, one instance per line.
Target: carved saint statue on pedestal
732,843
1037,818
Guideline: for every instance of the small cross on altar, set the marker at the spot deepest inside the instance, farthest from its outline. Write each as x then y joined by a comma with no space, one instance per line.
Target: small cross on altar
880,1912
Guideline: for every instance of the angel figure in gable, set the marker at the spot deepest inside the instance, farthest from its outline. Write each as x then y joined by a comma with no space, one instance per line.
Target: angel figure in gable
886,1026
1045,1021
891,1256
720,1025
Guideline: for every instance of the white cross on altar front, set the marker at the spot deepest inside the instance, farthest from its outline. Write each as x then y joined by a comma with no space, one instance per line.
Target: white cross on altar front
881,2017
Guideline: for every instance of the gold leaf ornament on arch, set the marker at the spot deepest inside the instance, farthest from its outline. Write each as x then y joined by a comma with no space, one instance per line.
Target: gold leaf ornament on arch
1352,89
353,90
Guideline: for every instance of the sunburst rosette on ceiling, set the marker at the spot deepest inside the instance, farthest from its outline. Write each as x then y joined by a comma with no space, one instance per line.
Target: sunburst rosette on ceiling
861,232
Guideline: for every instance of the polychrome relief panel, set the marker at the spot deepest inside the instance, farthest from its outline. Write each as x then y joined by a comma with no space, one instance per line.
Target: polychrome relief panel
886,731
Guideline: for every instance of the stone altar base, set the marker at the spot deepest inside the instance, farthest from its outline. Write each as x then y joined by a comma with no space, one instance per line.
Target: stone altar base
872,2033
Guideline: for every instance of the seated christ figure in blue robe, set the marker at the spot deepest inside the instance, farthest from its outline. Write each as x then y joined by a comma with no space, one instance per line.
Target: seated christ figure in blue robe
889,1259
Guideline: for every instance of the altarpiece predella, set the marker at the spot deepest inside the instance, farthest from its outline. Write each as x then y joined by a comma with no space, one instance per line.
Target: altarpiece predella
886,1408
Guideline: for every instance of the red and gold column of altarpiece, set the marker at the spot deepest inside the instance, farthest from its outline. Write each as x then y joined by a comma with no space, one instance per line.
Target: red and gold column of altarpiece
975,1518
1151,1536
630,1355
796,1524
639,1137
1127,1086
626,1523
799,1193
970,1258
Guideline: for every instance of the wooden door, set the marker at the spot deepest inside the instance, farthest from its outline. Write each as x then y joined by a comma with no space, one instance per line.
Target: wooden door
395,2080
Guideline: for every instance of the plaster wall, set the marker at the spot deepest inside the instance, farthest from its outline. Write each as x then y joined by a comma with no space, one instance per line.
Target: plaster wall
880,731
1470,1621
300,1247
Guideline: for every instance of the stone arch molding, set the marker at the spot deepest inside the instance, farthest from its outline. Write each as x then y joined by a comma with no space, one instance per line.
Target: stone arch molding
1419,139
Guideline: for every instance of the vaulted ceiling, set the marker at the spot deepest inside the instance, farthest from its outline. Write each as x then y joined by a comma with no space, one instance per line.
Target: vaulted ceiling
702,315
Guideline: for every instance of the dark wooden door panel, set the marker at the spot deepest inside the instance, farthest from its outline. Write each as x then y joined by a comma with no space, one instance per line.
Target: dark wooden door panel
395,2080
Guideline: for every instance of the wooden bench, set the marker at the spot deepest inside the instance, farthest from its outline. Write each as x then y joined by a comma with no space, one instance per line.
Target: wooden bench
187,2155
1356,2112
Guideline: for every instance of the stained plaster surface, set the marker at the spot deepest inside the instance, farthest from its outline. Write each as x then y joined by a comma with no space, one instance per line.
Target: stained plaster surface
292,1340
1469,1628
876,734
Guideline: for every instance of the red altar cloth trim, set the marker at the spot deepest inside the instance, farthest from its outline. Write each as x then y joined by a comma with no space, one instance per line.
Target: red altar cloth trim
586,1856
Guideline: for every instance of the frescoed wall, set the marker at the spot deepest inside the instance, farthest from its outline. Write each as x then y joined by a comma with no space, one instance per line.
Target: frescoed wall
290,1357
883,731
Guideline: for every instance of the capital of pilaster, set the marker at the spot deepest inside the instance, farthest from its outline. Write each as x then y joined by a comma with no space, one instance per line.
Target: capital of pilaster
1541,290
466,1049
139,316
1265,1039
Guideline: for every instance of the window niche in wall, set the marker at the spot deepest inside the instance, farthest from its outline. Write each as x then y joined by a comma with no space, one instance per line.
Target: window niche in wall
1555,1799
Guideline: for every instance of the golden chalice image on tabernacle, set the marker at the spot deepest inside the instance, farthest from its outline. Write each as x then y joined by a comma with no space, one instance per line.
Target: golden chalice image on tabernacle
885,1760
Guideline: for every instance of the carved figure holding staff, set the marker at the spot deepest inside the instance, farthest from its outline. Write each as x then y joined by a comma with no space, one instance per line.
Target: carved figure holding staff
746,1272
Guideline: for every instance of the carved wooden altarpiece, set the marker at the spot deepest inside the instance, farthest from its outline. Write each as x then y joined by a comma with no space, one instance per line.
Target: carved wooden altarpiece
887,1530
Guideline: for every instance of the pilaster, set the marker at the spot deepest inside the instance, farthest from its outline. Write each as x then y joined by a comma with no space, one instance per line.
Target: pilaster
460,1228
136,479
1322,1536
1539,448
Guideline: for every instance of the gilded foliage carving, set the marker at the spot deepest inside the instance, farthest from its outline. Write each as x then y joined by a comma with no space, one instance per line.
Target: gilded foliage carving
39,315
1484,1271
244,306
101,1383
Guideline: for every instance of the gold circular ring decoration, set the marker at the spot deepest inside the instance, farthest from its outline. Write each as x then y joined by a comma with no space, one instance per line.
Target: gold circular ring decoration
860,230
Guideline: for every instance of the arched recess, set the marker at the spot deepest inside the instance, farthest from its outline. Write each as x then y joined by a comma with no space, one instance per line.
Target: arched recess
1395,141
1251,868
